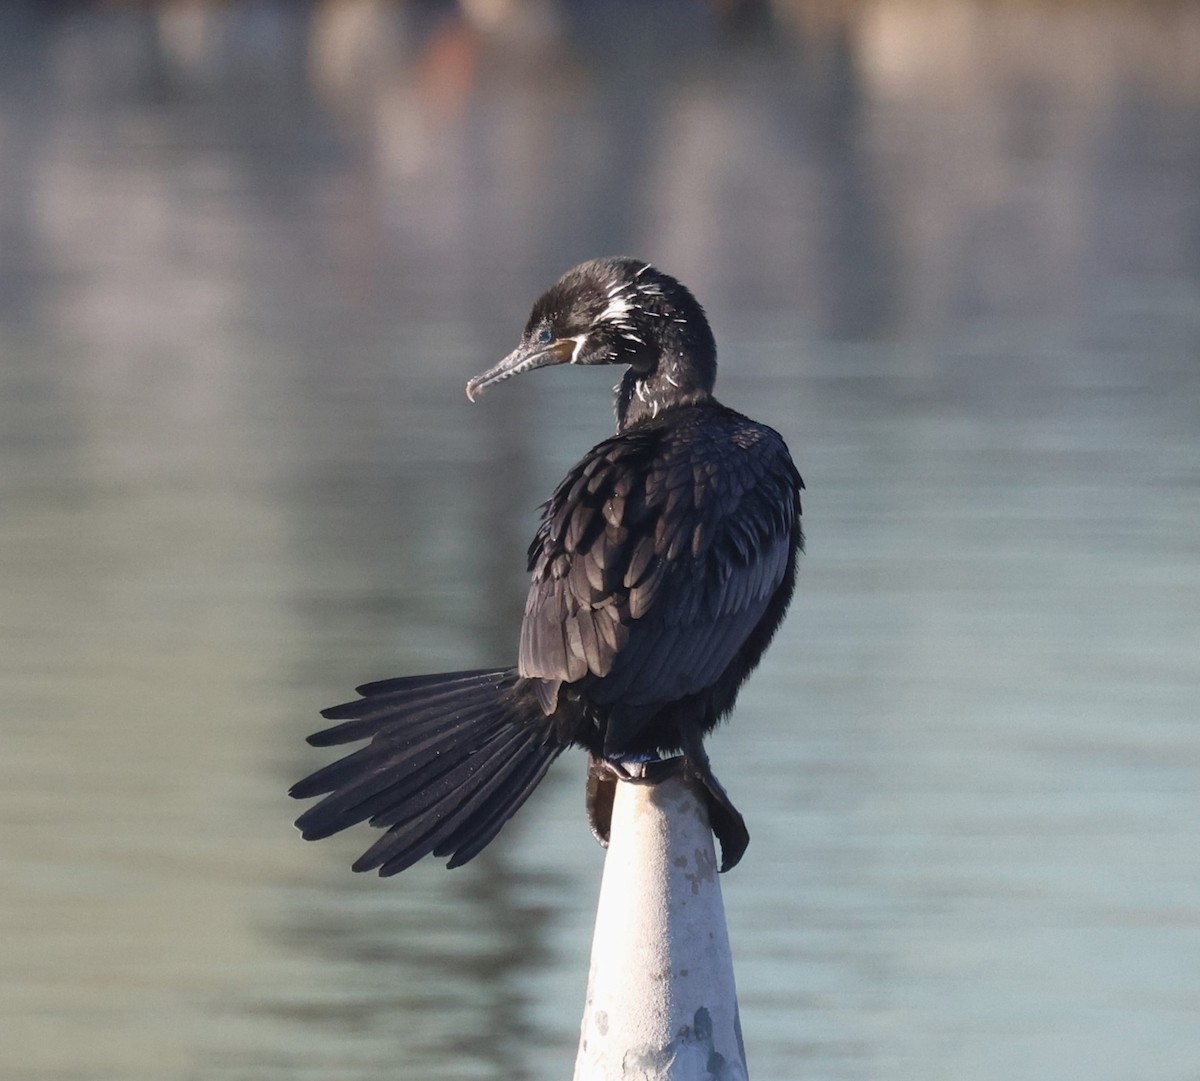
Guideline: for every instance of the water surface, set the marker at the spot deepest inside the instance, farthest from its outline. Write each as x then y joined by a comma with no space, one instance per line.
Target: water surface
252,252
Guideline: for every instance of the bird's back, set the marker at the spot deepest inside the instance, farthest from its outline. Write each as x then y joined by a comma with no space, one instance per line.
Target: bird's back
663,564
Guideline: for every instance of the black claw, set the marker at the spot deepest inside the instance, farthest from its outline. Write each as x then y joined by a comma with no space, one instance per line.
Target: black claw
730,829
728,825
600,792
724,818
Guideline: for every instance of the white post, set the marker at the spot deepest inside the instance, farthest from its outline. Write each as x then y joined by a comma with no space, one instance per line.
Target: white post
661,1002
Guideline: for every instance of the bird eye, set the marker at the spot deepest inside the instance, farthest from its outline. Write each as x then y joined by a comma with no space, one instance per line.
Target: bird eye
545,335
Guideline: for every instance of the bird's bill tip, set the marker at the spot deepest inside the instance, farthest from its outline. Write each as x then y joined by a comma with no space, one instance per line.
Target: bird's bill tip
522,359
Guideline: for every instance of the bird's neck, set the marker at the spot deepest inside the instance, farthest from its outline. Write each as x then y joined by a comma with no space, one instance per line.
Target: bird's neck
643,396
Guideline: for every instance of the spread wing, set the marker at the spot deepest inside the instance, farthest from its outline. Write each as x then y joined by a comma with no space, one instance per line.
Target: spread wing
656,558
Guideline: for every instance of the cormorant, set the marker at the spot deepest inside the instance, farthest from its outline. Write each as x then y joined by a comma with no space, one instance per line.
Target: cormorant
663,564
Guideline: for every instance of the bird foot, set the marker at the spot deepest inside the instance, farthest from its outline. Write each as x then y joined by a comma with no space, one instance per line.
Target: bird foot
602,777
601,790
728,825
726,821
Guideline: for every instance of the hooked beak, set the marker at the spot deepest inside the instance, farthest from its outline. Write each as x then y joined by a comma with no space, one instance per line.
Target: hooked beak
522,359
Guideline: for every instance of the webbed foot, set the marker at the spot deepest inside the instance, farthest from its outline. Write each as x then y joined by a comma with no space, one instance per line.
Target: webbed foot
726,821
728,825
602,777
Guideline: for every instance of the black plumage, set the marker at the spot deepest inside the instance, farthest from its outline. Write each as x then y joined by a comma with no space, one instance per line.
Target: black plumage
662,567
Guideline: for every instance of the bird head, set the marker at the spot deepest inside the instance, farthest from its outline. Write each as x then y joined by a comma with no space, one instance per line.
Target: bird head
615,311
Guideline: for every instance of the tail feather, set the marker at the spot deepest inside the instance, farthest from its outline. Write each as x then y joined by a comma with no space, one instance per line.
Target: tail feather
477,834
395,754
416,686
443,790
417,696
423,829
451,759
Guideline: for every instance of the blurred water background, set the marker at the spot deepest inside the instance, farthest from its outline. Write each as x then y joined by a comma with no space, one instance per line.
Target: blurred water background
250,252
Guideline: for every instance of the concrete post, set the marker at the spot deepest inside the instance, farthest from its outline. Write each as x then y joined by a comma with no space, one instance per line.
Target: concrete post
661,1002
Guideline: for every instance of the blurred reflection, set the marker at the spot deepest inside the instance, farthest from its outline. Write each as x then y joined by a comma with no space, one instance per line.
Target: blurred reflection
250,253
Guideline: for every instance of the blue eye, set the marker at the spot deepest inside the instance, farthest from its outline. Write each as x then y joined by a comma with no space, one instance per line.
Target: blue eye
545,336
